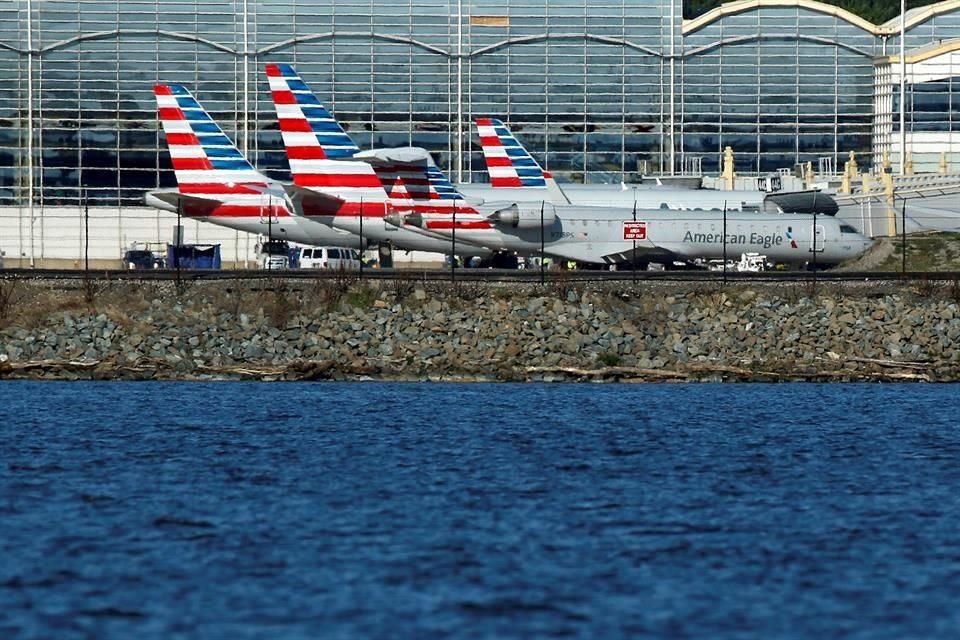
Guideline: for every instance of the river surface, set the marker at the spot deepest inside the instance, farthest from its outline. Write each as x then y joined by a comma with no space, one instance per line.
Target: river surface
425,510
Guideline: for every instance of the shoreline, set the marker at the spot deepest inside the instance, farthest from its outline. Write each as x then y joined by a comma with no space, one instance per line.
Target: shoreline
274,330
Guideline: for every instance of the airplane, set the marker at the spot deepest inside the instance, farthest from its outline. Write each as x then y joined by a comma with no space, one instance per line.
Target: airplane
440,210
516,175
217,184
321,157
606,235
609,236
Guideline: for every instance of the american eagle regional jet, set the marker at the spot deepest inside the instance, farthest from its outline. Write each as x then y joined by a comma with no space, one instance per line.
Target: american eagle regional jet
516,176
610,235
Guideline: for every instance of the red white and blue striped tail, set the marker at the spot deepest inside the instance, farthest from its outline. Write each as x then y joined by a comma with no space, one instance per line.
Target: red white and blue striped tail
318,148
508,162
205,161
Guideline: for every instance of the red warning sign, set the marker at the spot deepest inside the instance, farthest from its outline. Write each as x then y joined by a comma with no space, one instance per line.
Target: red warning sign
634,230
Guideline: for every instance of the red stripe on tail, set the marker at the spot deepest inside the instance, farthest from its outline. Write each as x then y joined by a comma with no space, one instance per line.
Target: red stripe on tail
282,96
171,113
298,125
506,182
182,138
306,153
335,180
191,164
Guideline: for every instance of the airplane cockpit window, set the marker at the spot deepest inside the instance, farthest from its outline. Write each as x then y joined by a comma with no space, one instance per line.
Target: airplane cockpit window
664,205
845,228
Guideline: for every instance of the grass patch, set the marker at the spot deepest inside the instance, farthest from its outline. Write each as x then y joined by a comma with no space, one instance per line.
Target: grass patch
925,252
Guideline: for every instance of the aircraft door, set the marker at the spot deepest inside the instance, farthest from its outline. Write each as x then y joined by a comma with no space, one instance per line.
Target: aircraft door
818,238
268,213
386,225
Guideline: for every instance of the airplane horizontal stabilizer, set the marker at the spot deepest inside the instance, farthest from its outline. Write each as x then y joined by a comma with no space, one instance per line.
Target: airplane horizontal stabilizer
313,202
173,201
557,195
413,156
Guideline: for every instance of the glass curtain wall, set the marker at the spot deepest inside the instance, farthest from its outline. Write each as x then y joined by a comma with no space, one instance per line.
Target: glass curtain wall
780,86
585,84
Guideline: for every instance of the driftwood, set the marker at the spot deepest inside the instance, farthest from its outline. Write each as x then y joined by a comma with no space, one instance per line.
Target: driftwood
895,364
8,368
697,371
610,372
330,369
245,372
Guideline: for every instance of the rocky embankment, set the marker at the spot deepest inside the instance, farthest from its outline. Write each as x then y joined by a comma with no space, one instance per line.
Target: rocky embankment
416,331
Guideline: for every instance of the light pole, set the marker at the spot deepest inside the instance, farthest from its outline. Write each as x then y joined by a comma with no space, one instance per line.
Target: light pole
903,86
633,258
86,233
724,242
542,232
453,245
179,240
361,237
269,232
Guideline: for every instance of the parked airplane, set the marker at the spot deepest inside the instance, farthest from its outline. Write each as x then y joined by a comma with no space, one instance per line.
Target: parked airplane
605,235
319,152
515,175
218,185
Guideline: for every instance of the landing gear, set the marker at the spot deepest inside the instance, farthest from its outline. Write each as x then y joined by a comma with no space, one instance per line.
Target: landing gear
385,254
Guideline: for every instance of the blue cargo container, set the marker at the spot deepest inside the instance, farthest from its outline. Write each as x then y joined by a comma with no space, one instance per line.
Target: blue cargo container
193,256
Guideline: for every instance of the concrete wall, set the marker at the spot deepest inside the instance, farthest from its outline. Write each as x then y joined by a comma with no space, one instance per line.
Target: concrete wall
57,238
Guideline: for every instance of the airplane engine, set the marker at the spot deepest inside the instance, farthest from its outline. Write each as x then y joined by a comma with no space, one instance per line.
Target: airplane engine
517,218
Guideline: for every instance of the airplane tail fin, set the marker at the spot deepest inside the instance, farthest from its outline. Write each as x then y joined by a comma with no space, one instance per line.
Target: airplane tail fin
400,198
318,148
510,164
205,161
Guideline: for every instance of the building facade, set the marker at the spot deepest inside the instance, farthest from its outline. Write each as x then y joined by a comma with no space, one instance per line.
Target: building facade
599,91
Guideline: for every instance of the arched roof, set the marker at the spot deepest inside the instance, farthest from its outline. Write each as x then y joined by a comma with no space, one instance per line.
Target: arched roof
924,53
742,6
891,27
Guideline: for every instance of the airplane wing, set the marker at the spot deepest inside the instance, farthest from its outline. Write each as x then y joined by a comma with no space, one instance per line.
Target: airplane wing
313,202
644,252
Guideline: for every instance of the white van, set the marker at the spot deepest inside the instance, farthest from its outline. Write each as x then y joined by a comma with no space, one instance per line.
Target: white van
329,258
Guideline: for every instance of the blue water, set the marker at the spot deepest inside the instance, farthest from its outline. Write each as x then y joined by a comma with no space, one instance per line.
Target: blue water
372,510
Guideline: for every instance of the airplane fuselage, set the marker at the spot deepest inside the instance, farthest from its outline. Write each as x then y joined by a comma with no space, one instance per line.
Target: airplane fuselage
599,235
259,215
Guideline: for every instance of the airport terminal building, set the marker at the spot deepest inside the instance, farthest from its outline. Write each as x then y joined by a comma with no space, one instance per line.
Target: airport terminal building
599,91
